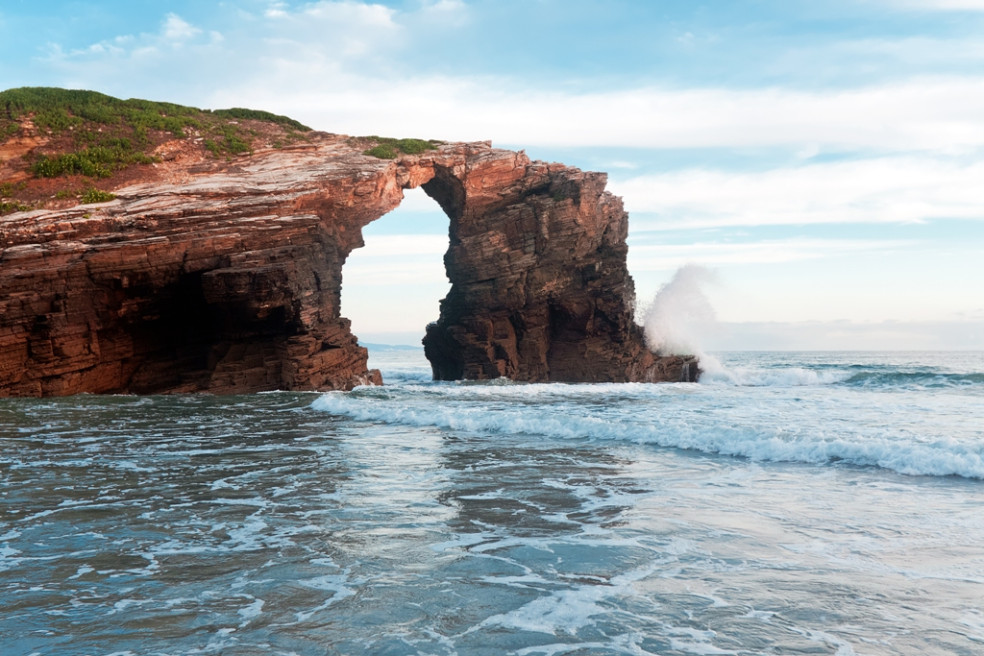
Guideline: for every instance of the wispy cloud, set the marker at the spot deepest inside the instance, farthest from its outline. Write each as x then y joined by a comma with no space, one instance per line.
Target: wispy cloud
342,30
388,246
452,12
662,257
174,31
177,29
880,190
398,259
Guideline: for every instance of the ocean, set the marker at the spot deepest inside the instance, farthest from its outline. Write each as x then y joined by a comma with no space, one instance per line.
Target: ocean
789,503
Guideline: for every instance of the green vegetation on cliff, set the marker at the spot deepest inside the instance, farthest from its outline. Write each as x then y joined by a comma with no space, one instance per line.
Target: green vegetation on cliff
93,195
57,110
94,161
90,134
389,148
109,134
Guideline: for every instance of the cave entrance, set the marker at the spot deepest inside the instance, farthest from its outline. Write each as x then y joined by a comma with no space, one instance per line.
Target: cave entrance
391,287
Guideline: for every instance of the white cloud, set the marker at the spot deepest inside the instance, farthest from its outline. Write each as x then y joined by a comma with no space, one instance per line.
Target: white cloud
397,260
176,29
880,190
388,246
276,10
662,257
448,12
416,201
305,48
137,50
399,273
335,30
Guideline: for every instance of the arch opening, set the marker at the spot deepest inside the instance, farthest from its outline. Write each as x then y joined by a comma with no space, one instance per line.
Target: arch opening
392,286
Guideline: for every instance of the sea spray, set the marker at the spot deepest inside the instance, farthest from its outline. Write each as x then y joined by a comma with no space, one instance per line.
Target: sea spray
680,315
680,312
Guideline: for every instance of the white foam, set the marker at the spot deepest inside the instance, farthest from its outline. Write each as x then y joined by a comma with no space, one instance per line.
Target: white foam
81,571
566,648
251,612
750,427
774,377
339,585
124,604
7,557
565,612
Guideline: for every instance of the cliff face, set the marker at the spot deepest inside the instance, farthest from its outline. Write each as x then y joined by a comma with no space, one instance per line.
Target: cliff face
226,277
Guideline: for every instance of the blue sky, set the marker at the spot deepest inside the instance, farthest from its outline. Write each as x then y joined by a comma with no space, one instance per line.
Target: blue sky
824,160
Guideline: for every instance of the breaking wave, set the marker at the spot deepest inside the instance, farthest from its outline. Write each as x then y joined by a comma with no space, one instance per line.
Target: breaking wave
829,425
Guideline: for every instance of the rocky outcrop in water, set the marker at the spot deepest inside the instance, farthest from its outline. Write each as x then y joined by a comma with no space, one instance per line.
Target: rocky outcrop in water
225,276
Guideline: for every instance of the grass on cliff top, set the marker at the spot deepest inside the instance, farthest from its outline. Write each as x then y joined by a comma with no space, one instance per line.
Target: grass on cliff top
110,134
57,110
390,148
95,136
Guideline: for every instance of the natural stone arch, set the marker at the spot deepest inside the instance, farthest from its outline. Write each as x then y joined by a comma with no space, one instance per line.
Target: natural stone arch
227,277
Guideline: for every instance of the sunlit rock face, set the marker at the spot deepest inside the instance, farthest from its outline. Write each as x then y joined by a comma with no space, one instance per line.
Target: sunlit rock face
225,277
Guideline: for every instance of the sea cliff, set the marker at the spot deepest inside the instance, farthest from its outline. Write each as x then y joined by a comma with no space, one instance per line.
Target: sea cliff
222,271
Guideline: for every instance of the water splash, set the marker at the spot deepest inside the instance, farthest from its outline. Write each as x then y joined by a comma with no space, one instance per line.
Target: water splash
680,313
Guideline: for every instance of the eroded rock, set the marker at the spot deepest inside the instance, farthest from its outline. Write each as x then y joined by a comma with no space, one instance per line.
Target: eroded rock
228,279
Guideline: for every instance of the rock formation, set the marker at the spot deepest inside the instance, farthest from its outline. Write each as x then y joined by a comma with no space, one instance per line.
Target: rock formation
225,276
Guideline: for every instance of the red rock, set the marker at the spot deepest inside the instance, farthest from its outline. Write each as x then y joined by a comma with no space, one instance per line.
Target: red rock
228,279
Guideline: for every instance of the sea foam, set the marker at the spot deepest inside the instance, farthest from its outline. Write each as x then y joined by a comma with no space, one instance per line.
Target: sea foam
832,427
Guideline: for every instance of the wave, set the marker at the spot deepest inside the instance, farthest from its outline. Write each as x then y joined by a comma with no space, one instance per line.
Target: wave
804,377
924,379
892,376
776,377
584,412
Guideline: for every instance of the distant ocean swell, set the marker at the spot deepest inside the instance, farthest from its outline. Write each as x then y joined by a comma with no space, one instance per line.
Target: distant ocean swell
915,379
797,376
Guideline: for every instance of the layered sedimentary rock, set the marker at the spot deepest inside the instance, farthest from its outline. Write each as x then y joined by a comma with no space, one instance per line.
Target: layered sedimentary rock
540,290
226,277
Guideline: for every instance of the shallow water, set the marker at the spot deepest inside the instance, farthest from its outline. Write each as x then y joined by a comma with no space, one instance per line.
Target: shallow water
788,504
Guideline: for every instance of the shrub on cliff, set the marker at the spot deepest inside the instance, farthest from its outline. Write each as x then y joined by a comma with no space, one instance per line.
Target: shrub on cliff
93,195
390,148
95,162
260,115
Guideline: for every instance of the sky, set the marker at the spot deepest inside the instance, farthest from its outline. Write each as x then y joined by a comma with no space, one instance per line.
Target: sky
822,162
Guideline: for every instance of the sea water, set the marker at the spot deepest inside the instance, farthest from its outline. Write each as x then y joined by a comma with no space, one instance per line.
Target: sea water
789,503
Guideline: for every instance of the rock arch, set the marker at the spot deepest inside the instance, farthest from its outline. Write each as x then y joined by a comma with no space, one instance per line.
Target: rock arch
227,277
